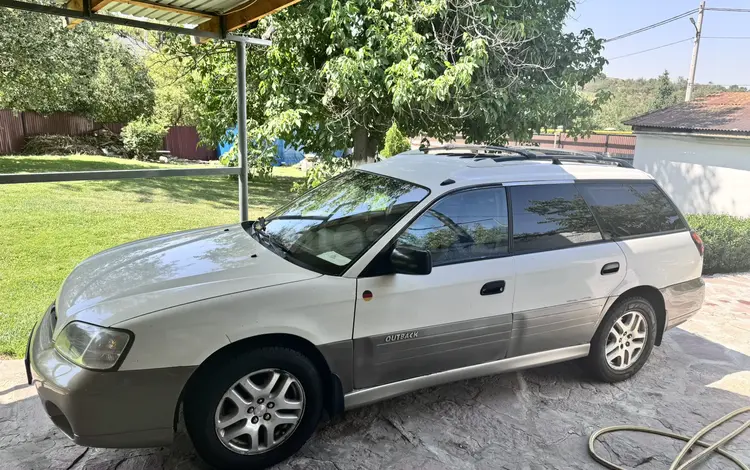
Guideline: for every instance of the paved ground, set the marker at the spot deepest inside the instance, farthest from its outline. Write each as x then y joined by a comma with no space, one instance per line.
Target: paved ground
538,419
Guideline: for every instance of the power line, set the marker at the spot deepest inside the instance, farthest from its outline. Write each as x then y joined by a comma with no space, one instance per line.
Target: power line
652,26
735,10
725,37
652,49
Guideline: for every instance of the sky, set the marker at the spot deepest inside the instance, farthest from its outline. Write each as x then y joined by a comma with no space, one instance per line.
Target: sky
721,61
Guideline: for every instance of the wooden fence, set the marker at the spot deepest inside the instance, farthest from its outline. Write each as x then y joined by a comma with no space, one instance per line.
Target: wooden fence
612,144
180,141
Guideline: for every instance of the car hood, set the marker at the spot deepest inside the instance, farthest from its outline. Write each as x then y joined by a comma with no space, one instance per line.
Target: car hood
170,270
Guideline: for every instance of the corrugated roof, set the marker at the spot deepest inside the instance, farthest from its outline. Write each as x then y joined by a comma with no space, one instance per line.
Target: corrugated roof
722,112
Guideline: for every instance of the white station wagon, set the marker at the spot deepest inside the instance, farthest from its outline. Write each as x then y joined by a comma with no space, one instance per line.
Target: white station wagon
415,271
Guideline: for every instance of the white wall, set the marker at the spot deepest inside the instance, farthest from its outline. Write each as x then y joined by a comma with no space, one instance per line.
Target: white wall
703,175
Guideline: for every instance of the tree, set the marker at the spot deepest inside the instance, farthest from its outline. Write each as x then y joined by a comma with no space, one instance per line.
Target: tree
395,142
340,72
47,68
665,93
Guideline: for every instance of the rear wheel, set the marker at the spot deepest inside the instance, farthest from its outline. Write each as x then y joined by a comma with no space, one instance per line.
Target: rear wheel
255,409
624,340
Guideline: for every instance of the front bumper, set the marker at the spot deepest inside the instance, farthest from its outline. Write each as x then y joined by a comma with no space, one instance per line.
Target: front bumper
105,409
683,300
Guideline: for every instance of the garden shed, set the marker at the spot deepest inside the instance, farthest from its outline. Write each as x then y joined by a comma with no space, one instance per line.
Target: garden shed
699,152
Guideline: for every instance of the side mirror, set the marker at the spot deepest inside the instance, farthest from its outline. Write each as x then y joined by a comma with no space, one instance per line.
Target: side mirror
405,260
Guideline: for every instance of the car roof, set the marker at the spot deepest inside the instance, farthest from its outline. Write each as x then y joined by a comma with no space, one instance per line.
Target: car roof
431,170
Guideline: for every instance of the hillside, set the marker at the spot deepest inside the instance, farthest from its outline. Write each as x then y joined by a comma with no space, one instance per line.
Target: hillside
632,97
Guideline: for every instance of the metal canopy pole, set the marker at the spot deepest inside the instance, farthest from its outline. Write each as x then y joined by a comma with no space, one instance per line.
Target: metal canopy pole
242,127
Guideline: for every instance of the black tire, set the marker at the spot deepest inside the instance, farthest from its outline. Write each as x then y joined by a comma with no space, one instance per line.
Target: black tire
596,362
203,395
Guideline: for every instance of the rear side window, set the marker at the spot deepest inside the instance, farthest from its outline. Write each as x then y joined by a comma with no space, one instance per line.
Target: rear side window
549,217
465,226
632,209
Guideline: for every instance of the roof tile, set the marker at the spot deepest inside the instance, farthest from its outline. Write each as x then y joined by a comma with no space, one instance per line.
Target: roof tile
725,112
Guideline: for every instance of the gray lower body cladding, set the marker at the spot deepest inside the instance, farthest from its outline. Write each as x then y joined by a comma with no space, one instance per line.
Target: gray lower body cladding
683,300
389,358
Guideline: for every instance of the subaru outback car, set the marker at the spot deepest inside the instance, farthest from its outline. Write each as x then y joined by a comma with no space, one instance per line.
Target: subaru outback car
415,271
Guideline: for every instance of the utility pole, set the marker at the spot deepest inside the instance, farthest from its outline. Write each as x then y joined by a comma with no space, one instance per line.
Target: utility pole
696,46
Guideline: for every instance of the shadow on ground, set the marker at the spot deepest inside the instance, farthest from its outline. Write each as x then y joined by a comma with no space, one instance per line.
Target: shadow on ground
537,419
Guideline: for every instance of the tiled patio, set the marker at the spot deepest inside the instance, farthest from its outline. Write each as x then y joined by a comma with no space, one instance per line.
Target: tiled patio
537,419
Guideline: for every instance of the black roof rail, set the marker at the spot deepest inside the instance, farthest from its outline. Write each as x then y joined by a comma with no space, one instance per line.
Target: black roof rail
557,156
476,150
560,159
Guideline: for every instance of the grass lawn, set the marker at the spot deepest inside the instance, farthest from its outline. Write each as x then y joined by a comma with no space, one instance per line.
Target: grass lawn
48,228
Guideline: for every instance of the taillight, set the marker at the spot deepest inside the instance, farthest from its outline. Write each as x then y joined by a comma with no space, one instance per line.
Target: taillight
698,241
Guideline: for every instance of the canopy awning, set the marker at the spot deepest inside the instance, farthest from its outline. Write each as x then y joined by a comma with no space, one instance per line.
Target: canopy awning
202,18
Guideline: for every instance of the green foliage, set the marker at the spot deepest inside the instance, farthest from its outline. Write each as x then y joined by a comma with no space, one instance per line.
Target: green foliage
46,67
341,72
260,158
172,87
665,93
143,137
627,98
395,142
727,241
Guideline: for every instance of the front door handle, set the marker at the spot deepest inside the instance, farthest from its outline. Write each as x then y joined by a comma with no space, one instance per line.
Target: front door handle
610,268
492,288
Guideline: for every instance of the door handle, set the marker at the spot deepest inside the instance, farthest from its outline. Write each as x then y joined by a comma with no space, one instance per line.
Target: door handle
492,288
610,268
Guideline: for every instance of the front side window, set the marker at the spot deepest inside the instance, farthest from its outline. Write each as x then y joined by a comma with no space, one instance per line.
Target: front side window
632,209
549,217
465,226
329,227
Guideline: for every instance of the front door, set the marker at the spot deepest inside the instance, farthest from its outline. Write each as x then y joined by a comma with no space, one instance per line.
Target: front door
458,315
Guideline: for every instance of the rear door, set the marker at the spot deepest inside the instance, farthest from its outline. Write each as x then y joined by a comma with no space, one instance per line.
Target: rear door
565,269
648,228
459,314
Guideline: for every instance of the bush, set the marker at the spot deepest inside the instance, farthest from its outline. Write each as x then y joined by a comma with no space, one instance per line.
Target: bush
142,137
727,241
260,158
395,142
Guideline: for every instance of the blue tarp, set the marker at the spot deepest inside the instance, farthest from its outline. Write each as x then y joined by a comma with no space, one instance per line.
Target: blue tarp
285,154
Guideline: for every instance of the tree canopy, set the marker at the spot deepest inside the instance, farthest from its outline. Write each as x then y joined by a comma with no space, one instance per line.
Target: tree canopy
340,72
88,70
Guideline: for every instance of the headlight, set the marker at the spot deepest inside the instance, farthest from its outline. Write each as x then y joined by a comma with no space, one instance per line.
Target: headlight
91,346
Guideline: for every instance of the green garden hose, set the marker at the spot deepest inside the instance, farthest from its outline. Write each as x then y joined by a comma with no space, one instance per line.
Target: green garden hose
709,448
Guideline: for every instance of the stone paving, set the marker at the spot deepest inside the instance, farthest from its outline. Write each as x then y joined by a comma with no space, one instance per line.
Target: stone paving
536,419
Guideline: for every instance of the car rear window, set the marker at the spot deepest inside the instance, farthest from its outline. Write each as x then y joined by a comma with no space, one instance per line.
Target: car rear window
632,209
549,217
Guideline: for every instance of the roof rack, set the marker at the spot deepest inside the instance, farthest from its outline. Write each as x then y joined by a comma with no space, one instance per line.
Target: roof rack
557,156
479,151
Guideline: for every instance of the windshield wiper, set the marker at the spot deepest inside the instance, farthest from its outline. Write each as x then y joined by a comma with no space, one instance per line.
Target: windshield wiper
268,240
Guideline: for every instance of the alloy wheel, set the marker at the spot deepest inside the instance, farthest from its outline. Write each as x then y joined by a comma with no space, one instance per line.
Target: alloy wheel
626,340
260,411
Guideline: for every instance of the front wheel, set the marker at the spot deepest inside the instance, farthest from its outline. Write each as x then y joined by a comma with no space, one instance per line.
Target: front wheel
254,410
623,341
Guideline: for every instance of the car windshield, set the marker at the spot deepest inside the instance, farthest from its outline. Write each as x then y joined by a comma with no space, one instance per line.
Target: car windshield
331,226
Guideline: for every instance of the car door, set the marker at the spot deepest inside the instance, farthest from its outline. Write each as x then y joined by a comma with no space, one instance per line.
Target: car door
458,315
565,269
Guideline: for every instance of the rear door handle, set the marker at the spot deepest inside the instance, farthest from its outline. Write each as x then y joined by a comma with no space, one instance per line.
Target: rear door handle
610,268
492,288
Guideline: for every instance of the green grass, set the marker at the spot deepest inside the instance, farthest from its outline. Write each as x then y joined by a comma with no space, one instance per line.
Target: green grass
48,228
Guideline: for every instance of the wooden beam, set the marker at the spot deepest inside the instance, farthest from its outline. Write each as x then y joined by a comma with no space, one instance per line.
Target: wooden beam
254,12
158,6
213,25
76,5
97,5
